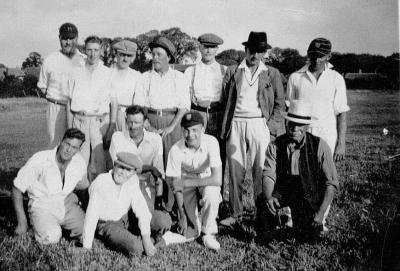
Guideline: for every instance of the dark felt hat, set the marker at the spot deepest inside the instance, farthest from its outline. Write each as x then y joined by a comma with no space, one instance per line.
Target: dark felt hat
68,30
257,41
166,44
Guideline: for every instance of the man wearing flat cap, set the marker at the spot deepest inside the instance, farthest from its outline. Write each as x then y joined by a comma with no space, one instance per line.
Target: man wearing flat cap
112,195
299,172
205,84
164,93
325,88
123,78
194,165
254,99
54,74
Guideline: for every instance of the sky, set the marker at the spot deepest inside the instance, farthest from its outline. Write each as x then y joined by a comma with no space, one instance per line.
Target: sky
353,26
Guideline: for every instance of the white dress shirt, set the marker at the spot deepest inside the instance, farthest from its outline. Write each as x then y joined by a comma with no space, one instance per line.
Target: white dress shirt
110,202
55,72
205,81
166,91
90,91
41,178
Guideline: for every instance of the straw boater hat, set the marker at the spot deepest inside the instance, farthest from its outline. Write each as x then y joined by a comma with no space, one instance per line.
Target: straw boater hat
300,111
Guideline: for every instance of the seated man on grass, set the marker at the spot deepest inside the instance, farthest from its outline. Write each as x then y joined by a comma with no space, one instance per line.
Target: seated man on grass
112,195
49,177
299,172
195,167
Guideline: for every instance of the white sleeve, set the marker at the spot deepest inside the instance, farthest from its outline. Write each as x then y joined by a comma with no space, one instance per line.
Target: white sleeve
140,94
340,100
183,90
214,154
43,77
290,95
29,173
174,163
91,219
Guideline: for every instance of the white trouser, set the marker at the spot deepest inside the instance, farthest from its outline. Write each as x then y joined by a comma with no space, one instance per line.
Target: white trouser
56,117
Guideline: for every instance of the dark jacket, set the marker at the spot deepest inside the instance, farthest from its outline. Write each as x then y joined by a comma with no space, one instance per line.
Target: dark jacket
270,97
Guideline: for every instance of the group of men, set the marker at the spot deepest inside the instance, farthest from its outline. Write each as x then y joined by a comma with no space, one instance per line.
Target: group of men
155,144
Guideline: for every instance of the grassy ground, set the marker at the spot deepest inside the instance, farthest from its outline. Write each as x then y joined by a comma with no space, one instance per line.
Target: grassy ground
358,220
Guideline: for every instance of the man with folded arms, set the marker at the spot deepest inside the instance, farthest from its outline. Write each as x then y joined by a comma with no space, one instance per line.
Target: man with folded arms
54,74
194,165
112,195
299,172
49,177
92,107
123,78
148,146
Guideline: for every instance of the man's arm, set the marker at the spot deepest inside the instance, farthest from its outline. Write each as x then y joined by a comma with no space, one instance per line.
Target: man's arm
176,121
113,121
328,197
215,179
269,178
18,203
340,148
177,188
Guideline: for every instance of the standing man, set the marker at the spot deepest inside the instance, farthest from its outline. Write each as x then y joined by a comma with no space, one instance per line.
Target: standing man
49,177
123,78
205,83
112,195
254,98
194,165
299,172
325,88
164,93
148,146
54,74
92,106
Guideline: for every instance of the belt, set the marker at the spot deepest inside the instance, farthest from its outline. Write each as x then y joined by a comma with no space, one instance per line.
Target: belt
124,106
86,114
161,112
56,101
212,108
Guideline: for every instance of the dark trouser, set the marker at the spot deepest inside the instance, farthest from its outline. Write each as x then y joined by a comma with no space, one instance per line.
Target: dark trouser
116,235
159,122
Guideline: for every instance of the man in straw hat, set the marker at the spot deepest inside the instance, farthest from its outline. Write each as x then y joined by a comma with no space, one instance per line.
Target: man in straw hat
254,98
123,78
112,195
325,88
299,172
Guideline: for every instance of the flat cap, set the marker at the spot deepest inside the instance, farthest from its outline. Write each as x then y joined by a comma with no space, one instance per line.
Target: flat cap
126,47
210,39
129,160
320,47
192,118
68,31
166,44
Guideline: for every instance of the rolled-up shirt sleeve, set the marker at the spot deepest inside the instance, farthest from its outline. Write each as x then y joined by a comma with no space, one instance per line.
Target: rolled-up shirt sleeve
28,174
91,219
269,170
43,78
141,211
340,99
327,164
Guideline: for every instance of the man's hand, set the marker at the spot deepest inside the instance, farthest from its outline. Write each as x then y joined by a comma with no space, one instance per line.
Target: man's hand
148,246
339,152
21,228
317,223
165,131
272,203
182,225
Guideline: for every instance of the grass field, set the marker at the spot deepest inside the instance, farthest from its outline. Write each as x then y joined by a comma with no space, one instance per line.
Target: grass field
358,219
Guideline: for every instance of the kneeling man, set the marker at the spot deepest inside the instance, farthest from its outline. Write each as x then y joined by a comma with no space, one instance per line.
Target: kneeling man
49,177
194,164
299,172
112,195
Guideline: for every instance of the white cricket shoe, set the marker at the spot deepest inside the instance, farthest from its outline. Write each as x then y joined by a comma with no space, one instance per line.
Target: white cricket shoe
210,242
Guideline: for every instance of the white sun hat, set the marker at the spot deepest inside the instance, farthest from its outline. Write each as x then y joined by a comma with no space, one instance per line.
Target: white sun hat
300,111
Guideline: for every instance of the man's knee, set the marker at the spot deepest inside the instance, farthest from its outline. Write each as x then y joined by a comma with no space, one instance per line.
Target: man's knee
160,221
211,196
48,236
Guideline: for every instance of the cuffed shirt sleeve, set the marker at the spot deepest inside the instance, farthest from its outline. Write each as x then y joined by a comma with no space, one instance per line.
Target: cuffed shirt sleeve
340,99
28,173
327,164
91,218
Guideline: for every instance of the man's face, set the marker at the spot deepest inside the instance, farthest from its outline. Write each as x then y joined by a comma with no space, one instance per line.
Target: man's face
208,52
253,56
318,62
124,60
68,45
296,131
160,59
68,148
122,174
135,125
192,135
92,50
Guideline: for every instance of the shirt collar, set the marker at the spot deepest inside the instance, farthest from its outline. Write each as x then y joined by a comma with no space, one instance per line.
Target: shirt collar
261,66
201,148
305,67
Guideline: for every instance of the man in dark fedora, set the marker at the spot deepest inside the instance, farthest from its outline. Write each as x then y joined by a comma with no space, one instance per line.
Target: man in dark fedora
299,172
164,93
254,98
